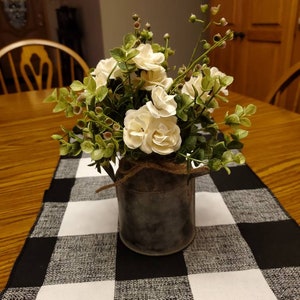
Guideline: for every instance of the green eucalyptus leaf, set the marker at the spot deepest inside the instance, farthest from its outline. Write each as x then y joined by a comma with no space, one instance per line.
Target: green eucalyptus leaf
239,110
156,47
227,157
213,103
76,149
87,146
235,144
240,133
101,93
219,149
215,164
250,110
129,41
232,119
131,54
190,143
127,67
69,111
97,154
60,106
56,137
77,86
207,83
216,87
109,150
118,54
239,158
222,98
91,85
63,93
52,97
64,149
226,80
245,122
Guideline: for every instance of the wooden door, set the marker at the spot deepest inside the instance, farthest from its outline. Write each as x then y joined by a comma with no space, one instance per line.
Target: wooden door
262,49
18,21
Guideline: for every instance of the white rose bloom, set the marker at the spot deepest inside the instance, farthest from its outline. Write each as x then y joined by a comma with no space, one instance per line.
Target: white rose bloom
193,83
159,135
147,59
135,126
104,69
162,104
163,136
156,77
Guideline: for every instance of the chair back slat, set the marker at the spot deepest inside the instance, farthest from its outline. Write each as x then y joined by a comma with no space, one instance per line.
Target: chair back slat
14,72
3,85
286,91
59,67
37,64
72,68
35,73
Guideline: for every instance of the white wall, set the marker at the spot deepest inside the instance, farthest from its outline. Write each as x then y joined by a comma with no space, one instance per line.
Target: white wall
165,16
105,22
89,19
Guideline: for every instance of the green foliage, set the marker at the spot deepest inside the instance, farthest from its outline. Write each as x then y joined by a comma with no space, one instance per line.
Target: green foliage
102,100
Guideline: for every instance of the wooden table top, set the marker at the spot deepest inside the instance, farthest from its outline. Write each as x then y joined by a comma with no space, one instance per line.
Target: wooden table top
29,157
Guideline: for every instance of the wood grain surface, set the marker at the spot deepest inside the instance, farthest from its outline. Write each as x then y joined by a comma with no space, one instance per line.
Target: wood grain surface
29,157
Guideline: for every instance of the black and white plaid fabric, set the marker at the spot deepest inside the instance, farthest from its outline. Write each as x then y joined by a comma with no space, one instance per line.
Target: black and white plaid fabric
246,246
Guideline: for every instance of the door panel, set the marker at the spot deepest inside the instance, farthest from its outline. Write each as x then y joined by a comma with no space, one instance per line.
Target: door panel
261,56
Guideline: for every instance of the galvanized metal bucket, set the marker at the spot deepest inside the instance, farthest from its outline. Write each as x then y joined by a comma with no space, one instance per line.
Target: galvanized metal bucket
156,211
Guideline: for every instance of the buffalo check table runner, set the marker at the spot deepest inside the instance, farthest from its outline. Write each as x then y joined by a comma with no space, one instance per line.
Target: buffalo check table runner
246,246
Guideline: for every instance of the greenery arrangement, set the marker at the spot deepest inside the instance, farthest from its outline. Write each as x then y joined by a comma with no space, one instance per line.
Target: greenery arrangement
128,106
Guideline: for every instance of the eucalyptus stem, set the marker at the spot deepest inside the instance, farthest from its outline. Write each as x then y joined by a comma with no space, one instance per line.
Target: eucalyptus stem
197,60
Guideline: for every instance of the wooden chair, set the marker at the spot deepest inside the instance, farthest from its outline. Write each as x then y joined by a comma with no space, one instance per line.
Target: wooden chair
36,64
286,91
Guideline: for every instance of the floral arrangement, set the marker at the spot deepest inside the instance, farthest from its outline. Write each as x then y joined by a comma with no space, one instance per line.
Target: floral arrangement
128,106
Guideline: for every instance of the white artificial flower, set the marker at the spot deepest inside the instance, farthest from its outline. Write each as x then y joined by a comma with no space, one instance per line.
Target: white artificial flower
135,126
193,84
162,104
163,136
104,69
147,59
155,77
159,135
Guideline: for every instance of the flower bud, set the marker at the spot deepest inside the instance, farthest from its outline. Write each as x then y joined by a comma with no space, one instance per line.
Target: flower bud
77,110
137,24
192,18
98,110
135,17
107,135
81,123
203,7
206,60
215,9
230,34
197,67
223,22
180,86
206,46
108,122
188,76
116,127
223,45
217,37
166,36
